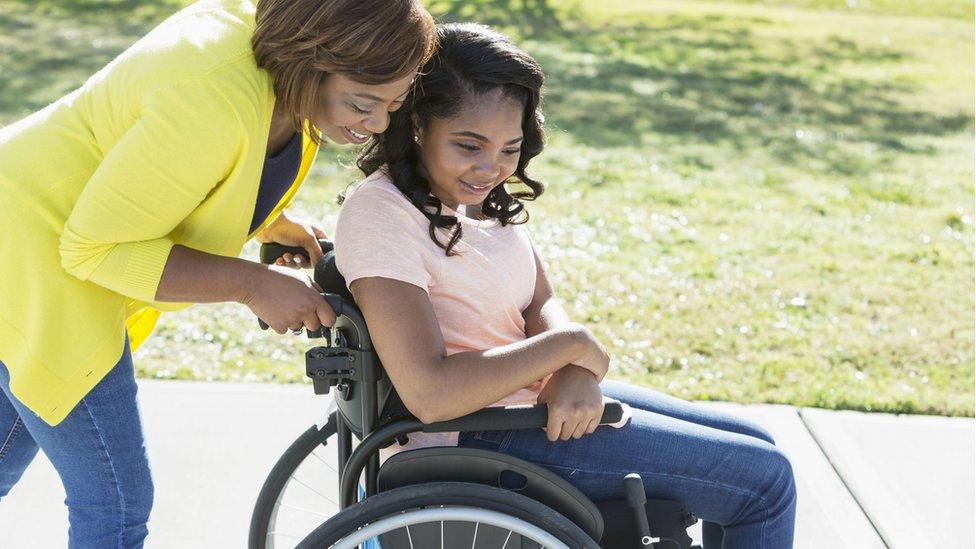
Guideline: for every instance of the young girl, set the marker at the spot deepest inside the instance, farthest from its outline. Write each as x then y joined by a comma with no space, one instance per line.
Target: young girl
462,313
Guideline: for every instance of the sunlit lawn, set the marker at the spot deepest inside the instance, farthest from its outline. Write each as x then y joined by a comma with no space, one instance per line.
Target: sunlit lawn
756,202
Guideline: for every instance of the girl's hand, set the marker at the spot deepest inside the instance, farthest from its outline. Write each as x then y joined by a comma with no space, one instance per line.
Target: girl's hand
575,403
286,299
592,354
291,231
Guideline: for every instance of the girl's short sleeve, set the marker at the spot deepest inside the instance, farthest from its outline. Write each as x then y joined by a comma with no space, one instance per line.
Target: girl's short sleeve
380,234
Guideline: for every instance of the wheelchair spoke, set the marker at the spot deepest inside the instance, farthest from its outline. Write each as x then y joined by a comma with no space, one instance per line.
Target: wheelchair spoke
297,508
508,537
409,537
320,494
327,464
272,534
475,540
442,534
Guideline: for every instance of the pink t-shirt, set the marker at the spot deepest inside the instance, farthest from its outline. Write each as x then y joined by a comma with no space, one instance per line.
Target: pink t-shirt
477,295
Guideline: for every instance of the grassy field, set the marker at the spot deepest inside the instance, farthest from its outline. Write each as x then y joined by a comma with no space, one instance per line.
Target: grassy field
748,201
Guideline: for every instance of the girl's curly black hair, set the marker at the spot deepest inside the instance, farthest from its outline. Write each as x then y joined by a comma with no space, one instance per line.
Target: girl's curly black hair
471,60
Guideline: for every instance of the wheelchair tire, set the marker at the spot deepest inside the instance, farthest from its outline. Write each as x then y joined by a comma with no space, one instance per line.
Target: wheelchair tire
265,508
445,498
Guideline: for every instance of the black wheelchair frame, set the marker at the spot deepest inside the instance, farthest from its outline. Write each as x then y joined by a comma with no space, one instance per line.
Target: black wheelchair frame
369,408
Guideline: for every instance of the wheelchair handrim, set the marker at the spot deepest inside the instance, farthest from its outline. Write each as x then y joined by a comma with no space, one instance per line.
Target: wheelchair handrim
441,514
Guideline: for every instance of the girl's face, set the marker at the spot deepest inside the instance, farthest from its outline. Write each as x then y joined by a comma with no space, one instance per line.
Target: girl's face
468,155
350,112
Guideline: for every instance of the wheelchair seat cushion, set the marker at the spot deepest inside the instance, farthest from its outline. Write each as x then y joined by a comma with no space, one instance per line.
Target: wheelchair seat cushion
452,464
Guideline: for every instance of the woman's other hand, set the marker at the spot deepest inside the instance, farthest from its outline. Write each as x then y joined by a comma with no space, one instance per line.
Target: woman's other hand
286,299
291,231
575,403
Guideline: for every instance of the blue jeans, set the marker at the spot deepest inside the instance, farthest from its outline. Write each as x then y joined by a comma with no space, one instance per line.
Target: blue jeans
724,469
98,451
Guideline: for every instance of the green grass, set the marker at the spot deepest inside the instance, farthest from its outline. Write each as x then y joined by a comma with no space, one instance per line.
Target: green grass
754,201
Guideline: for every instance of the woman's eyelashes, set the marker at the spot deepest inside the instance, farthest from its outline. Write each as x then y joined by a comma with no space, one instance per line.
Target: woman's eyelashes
393,107
360,110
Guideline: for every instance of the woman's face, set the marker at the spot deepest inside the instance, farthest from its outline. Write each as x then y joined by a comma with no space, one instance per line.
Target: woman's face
468,155
350,112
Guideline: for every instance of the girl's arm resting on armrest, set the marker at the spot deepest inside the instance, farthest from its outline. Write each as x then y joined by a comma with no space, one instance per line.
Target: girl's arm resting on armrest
436,387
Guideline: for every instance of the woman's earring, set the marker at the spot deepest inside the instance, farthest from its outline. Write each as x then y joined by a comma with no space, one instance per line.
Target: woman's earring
416,138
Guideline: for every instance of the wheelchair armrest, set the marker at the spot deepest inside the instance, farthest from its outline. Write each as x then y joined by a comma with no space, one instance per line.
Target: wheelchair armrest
513,417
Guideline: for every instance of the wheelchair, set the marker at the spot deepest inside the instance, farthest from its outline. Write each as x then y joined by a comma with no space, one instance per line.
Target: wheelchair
445,497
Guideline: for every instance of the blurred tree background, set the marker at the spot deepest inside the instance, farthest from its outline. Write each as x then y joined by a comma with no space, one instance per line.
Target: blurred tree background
757,201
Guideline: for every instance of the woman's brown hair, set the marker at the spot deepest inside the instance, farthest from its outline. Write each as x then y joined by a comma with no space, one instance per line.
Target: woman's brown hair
301,42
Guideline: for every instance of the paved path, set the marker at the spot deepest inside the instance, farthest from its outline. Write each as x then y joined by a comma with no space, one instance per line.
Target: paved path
864,480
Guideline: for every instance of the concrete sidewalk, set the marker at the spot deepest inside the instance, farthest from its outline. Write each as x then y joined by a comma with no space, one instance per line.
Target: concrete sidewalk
864,480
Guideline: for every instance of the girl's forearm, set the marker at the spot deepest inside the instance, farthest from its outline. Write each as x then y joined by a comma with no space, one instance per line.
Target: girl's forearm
496,373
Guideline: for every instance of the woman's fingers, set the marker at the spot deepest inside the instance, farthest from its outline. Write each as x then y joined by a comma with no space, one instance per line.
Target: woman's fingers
326,316
318,231
311,243
294,261
311,321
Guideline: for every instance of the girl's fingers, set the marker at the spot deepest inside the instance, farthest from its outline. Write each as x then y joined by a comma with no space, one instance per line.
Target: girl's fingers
554,428
568,430
580,429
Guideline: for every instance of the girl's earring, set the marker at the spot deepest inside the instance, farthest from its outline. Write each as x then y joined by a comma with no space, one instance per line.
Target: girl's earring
416,138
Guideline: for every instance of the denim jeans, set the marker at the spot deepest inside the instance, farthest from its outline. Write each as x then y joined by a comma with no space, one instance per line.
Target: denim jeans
98,451
724,469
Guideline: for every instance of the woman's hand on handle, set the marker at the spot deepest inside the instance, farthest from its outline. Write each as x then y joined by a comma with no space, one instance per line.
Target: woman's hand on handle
575,403
292,231
286,299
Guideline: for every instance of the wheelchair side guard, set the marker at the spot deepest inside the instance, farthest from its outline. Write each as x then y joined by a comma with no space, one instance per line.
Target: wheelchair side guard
452,464
668,520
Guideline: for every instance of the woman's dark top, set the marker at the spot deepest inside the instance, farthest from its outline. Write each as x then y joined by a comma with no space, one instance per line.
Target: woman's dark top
277,176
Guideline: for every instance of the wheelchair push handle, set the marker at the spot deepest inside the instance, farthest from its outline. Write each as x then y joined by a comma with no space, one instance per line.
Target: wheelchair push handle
514,417
271,251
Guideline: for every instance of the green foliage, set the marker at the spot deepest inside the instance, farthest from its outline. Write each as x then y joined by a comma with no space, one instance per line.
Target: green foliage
753,201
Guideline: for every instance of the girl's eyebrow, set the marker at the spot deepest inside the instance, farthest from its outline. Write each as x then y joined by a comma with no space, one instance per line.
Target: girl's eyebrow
482,138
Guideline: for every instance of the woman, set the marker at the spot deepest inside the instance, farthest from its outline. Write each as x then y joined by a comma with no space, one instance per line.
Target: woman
136,193
462,313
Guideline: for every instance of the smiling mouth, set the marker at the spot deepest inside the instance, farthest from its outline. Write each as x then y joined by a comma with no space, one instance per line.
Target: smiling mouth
355,136
476,189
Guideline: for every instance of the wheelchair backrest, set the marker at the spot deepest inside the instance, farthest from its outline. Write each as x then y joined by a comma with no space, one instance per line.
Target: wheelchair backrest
350,332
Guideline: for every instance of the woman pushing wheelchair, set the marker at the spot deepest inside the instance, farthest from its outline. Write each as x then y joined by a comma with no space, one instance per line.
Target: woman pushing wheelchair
434,247
136,193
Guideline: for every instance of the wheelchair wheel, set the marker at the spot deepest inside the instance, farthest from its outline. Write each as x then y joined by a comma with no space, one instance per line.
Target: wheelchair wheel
449,515
299,493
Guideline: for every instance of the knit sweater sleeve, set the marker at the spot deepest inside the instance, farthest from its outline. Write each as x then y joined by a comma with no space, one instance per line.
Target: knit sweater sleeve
184,142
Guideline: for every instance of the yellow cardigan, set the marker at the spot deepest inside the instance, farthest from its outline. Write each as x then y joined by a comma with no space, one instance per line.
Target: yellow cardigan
163,146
